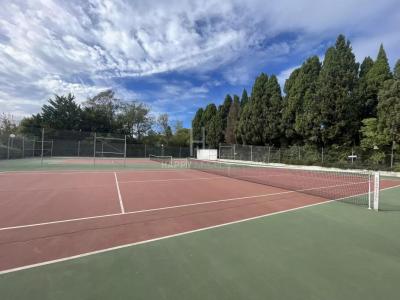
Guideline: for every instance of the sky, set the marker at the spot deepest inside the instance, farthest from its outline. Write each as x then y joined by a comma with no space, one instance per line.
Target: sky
175,56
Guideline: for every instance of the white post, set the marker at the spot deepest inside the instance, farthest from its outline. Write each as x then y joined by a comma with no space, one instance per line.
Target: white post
376,191
41,156
369,191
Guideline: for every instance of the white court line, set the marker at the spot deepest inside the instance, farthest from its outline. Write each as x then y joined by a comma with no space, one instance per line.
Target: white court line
121,204
170,207
156,239
172,235
174,179
73,172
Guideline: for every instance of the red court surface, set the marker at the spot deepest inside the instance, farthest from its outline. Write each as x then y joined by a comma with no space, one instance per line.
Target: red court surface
47,216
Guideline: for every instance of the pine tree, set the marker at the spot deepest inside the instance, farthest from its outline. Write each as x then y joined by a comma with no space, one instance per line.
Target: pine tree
214,130
233,117
363,93
376,76
338,105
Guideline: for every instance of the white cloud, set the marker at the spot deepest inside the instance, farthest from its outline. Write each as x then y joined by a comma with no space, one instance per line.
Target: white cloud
47,45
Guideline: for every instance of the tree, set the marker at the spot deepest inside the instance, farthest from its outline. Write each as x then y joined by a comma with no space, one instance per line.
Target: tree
389,109
244,99
7,124
197,124
163,123
214,130
224,111
100,112
376,76
396,71
363,92
181,137
272,112
136,119
338,108
373,140
255,115
61,112
300,108
232,120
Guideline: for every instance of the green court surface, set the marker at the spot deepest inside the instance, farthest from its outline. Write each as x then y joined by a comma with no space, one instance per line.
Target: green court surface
328,251
61,164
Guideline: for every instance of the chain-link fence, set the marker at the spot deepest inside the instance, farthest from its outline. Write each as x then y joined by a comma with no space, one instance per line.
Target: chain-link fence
64,143
345,157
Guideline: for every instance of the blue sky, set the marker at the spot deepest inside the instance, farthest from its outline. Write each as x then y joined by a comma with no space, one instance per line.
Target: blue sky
175,56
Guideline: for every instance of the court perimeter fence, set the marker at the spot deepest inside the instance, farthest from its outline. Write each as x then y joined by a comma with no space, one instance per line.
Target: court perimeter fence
44,142
334,156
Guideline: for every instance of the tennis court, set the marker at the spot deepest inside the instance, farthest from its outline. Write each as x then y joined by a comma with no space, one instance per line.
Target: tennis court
158,231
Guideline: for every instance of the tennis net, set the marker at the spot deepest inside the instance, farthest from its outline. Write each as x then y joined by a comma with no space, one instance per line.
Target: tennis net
349,186
161,159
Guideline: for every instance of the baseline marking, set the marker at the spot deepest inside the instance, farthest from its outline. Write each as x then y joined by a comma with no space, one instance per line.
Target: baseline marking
121,204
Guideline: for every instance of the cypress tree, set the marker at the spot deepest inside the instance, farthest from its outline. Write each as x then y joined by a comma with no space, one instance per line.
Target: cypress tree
338,105
232,121
272,100
197,124
224,111
396,71
376,76
244,98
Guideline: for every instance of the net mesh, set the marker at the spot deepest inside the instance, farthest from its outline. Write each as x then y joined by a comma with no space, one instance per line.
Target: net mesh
347,186
161,159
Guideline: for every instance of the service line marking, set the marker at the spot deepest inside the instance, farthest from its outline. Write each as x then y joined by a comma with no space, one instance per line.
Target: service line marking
121,203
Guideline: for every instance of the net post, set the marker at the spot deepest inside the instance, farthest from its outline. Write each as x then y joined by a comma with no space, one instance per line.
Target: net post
41,156
125,152
376,190
94,150
369,191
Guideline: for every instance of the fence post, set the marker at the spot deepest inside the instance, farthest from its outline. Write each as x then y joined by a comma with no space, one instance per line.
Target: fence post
41,156
219,150
269,153
8,148
79,148
33,147
251,152
322,155
51,152
125,152
180,151
234,151
23,147
299,153
94,150
392,156
145,150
